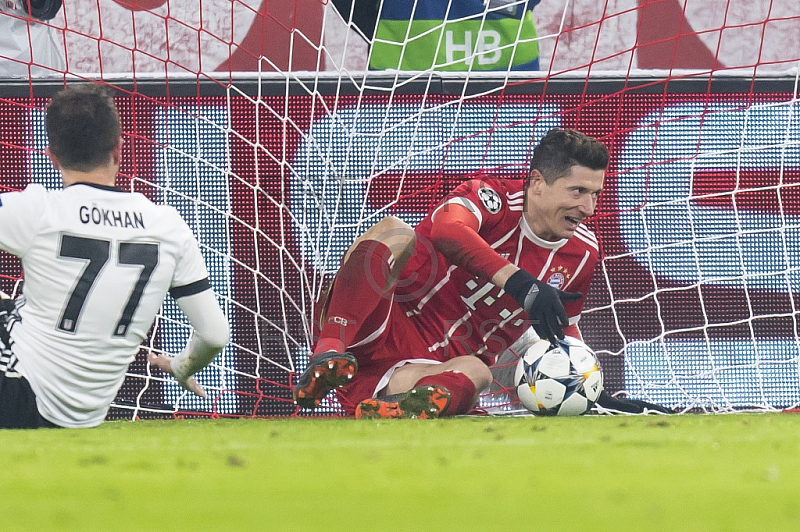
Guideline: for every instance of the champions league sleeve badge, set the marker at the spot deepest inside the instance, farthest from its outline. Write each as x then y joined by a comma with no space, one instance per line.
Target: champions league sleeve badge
490,199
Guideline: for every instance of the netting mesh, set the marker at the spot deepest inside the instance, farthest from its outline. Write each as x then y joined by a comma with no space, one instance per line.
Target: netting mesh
262,127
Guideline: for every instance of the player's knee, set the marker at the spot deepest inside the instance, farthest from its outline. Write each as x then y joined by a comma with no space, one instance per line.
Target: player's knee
397,236
476,370
393,223
393,232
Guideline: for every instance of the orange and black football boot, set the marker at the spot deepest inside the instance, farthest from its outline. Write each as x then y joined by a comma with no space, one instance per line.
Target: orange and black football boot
324,373
422,402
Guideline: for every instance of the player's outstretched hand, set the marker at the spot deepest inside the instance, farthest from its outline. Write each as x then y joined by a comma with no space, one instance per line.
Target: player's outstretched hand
543,303
165,364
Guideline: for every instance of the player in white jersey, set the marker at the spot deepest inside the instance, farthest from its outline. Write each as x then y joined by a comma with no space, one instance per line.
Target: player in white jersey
97,263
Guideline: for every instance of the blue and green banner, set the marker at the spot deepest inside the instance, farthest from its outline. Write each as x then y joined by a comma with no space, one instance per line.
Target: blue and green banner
456,36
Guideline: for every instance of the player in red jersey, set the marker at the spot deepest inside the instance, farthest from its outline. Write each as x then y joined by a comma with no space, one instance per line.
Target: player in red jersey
416,316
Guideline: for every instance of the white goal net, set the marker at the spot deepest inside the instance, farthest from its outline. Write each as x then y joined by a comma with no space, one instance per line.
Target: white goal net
267,129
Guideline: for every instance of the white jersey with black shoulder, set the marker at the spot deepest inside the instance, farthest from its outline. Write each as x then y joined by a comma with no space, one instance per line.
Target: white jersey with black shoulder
97,263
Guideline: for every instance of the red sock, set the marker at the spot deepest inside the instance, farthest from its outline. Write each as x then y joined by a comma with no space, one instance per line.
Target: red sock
461,388
359,287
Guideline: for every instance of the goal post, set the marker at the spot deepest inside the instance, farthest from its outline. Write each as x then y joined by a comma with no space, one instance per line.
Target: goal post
278,169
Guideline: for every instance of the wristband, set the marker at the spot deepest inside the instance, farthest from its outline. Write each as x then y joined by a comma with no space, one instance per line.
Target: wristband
523,287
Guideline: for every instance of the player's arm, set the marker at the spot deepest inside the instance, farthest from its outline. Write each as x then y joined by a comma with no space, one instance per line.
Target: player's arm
455,235
211,334
17,225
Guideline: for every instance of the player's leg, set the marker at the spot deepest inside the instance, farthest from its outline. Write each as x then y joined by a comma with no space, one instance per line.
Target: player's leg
17,401
430,390
18,404
366,278
364,283
396,235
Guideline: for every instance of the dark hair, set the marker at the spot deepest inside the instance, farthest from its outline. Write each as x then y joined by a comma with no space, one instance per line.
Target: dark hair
561,149
82,127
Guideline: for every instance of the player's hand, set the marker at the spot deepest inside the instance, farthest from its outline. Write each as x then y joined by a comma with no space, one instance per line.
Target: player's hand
165,364
543,303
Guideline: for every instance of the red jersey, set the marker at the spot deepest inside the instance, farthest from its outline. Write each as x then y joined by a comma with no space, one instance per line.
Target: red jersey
457,313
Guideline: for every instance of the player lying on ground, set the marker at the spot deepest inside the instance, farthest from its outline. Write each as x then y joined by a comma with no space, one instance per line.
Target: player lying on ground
98,262
415,317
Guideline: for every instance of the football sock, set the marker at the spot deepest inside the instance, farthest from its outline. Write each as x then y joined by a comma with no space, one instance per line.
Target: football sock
461,388
359,287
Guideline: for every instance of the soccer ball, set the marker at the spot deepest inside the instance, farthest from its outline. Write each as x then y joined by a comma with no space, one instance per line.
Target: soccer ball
562,379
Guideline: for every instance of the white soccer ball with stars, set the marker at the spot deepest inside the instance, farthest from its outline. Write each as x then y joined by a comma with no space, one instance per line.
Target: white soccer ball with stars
561,379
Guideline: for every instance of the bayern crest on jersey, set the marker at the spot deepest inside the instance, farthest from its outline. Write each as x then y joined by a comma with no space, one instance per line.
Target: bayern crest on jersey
556,280
490,199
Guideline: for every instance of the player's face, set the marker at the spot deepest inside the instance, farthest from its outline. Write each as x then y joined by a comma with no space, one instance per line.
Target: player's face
555,211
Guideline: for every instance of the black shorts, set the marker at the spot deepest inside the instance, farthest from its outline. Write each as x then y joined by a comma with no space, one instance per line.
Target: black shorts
17,400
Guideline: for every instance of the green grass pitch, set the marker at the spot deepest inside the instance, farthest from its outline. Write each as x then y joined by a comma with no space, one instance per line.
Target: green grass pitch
690,472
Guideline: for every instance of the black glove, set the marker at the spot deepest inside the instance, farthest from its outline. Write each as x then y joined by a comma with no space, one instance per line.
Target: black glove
543,303
629,406
42,9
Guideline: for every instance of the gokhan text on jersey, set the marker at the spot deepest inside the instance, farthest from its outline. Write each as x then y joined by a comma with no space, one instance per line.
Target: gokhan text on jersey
100,216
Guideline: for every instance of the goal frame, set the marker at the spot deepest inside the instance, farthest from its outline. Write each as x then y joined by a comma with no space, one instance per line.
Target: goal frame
270,393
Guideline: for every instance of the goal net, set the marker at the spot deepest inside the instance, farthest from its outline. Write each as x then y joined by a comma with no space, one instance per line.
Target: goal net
265,127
